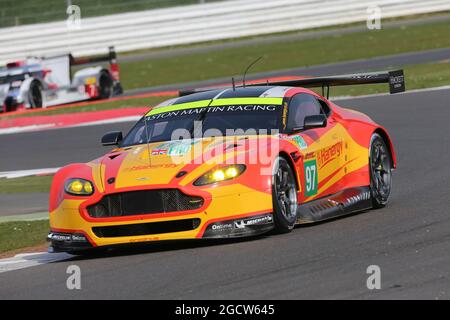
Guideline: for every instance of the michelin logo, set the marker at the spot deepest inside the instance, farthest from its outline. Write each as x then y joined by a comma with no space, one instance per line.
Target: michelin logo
241,224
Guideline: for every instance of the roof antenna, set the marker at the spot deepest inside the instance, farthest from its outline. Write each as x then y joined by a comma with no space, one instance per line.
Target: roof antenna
233,83
248,68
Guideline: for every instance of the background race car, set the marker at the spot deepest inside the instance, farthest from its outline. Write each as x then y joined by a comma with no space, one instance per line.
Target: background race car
44,82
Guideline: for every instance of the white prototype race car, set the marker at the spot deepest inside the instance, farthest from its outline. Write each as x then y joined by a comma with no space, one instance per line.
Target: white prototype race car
51,81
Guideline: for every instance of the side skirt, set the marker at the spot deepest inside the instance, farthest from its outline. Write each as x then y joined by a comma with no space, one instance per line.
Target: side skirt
342,203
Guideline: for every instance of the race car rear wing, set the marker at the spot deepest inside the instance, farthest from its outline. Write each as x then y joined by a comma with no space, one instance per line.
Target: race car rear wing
111,57
395,79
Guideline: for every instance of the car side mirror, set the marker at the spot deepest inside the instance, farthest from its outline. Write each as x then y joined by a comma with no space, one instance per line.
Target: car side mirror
112,138
315,121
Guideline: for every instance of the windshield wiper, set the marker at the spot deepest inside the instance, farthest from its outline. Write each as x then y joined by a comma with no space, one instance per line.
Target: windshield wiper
200,119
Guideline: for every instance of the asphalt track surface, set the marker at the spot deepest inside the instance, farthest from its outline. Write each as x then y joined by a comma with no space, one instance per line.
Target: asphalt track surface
409,240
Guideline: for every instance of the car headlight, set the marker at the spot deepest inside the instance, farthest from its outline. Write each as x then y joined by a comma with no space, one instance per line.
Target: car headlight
220,174
79,187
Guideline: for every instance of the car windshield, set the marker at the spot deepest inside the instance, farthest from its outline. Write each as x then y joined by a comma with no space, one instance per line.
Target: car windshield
204,122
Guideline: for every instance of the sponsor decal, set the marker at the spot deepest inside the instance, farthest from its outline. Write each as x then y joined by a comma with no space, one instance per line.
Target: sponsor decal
222,226
298,141
310,155
231,225
284,116
230,108
60,237
179,150
78,238
156,152
67,237
146,167
311,180
240,224
327,155
144,239
174,148
396,81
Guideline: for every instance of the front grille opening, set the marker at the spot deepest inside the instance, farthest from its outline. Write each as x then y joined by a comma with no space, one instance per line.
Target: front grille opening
144,202
142,229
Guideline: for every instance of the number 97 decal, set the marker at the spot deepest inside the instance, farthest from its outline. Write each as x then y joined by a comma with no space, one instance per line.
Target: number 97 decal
311,179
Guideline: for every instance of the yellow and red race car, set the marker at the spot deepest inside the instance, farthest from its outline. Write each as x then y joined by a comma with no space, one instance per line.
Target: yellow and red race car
227,162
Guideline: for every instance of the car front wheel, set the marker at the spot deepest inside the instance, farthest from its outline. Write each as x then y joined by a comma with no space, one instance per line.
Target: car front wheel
284,196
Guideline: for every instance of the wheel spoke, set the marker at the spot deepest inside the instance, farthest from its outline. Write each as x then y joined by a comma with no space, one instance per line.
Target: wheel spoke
285,192
380,181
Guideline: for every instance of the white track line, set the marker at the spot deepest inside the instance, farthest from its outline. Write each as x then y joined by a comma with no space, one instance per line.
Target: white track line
107,121
26,260
36,127
42,127
26,173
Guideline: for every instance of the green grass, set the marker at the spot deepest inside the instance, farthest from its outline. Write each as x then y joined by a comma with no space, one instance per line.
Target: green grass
21,12
17,235
289,54
105,105
25,184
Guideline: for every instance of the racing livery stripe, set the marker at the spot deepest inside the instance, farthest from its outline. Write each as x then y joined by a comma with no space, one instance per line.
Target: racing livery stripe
236,101
325,181
181,106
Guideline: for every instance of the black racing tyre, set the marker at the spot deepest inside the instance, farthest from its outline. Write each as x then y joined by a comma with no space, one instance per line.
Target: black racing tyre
35,95
284,196
9,104
380,167
105,86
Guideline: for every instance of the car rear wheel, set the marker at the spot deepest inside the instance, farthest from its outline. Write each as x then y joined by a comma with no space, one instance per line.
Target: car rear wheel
105,85
380,165
35,95
9,104
284,196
